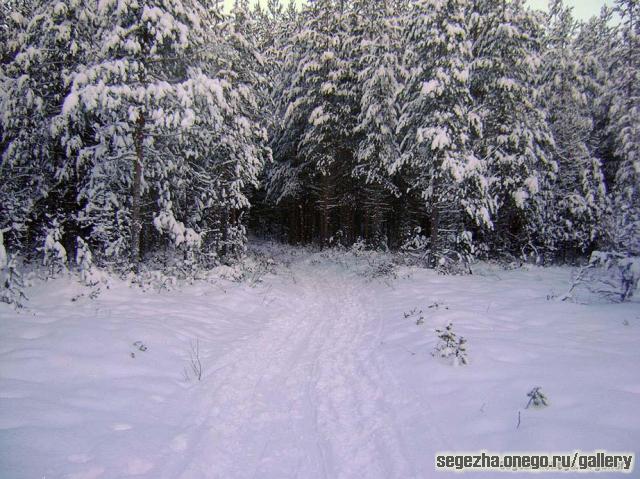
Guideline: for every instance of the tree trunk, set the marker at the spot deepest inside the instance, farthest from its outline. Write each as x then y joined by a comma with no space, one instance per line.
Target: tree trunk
136,192
324,218
435,226
225,232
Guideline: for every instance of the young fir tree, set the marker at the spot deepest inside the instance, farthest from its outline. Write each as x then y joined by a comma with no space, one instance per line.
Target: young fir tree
11,282
579,191
438,125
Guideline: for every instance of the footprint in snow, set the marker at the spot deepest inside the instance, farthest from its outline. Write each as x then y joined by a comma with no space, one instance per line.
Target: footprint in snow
121,427
33,333
92,473
179,443
137,466
79,458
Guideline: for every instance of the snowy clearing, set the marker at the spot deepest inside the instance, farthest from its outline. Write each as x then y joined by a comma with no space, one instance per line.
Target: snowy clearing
312,372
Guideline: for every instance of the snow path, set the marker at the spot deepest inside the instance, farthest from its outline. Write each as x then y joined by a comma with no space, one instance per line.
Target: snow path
304,398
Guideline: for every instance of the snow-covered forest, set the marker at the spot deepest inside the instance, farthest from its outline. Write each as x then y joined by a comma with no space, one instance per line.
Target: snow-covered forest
328,240
135,128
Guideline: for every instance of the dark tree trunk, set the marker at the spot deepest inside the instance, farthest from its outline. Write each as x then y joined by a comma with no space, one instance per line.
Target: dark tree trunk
324,215
435,227
136,192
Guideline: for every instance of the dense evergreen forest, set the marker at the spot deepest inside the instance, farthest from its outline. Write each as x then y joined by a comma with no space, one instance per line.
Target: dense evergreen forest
133,129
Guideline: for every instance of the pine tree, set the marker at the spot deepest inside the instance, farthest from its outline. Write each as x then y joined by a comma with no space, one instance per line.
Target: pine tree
579,191
377,149
174,145
314,146
241,150
438,125
594,44
45,48
516,140
127,91
625,126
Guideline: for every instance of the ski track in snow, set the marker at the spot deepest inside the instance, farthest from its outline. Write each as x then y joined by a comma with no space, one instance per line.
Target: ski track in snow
304,399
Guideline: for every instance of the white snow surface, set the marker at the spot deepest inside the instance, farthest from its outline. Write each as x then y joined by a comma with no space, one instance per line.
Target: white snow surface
312,372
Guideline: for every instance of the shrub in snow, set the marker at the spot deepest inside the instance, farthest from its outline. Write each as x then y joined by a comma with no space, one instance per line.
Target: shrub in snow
165,222
3,252
451,347
195,363
380,267
252,269
11,283
537,398
415,313
630,275
457,259
155,280
256,266
415,247
54,254
359,247
84,260
611,275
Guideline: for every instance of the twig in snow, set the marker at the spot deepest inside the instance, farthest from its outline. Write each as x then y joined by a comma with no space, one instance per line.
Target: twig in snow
194,360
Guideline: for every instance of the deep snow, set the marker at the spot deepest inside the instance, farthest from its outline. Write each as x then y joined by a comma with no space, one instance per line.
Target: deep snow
312,372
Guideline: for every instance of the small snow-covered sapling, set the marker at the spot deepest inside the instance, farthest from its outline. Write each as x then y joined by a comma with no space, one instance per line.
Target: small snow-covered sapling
450,346
415,312
437,305
537,398
54,254
140,346
11,282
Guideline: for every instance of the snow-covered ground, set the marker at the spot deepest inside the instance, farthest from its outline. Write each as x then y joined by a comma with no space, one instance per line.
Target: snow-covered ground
312,372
